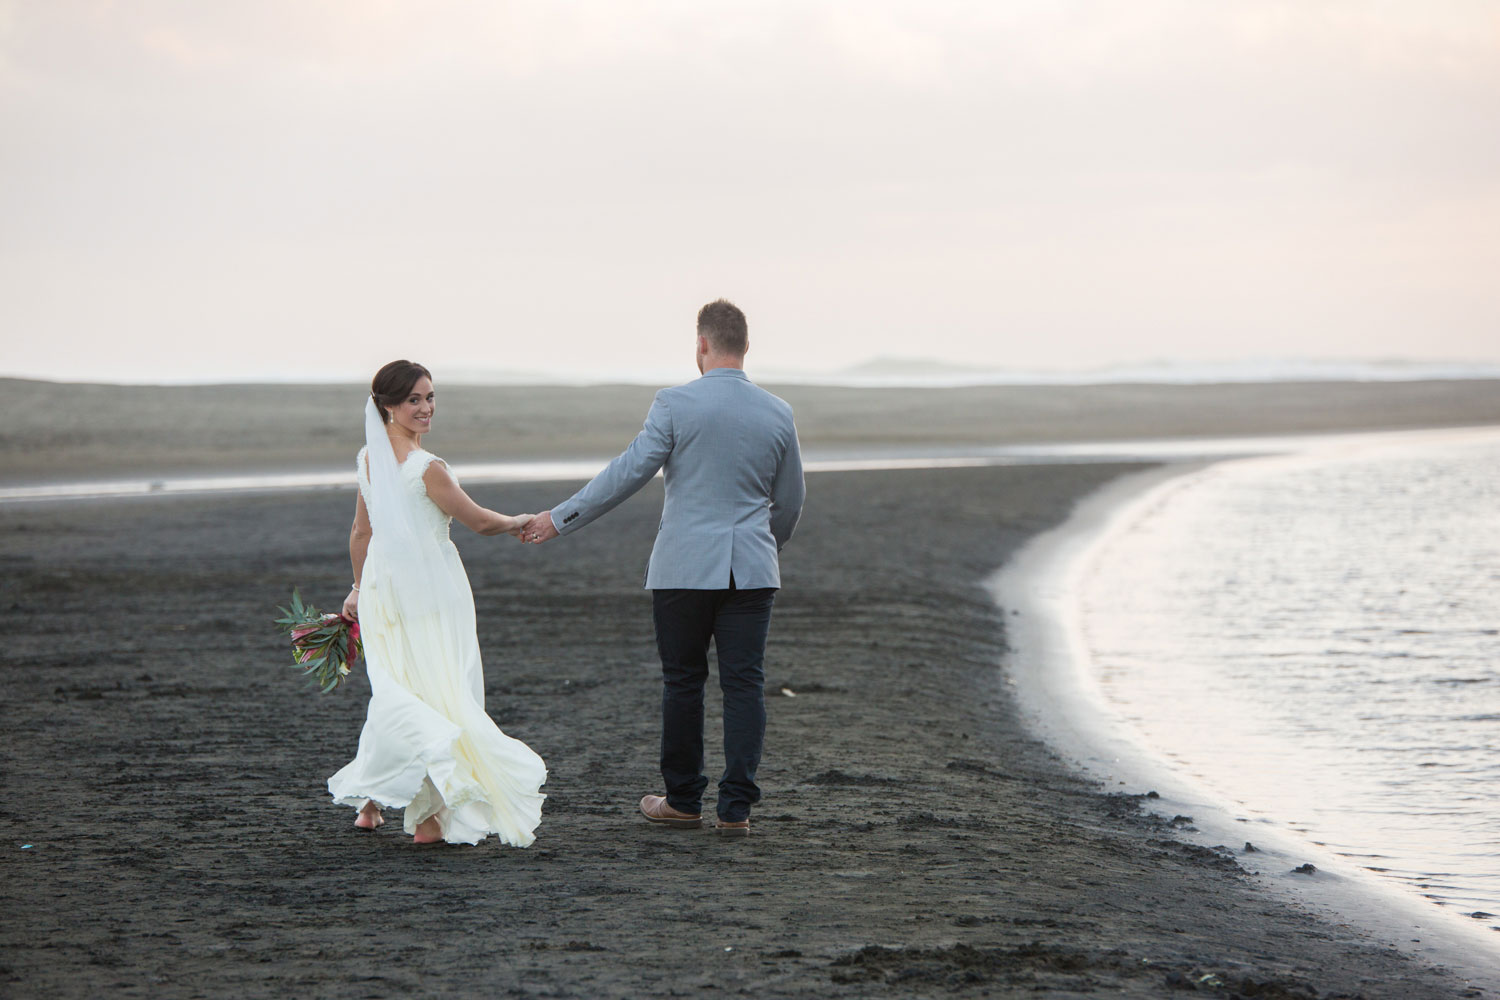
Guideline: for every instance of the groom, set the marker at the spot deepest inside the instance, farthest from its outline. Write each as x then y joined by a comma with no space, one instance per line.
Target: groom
729,455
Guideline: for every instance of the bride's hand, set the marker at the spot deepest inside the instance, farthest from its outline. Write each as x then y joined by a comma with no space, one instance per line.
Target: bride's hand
351,604
521,521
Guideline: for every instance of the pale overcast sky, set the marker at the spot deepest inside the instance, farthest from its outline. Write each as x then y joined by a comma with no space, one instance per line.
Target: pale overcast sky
233,189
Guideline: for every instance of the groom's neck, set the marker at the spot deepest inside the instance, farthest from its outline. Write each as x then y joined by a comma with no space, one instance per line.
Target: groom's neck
712,361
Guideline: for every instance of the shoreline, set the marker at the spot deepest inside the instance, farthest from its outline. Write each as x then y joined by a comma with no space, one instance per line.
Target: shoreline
916,837
1171,450
1061,699
64,433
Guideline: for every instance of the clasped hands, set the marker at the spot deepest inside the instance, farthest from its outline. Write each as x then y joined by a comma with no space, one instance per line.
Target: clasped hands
534,529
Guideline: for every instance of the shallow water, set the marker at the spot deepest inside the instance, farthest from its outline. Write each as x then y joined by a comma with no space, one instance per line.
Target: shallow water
1315,637
849,460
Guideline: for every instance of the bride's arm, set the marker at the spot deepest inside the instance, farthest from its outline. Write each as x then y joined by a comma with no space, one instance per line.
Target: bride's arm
359,544
443,490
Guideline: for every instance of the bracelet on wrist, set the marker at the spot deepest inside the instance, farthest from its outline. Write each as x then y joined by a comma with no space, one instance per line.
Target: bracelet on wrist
354,587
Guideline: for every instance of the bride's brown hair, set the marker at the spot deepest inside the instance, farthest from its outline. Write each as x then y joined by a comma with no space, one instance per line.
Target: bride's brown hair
390,386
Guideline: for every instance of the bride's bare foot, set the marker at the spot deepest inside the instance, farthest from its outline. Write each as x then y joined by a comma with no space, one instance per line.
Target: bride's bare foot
428,832
369,817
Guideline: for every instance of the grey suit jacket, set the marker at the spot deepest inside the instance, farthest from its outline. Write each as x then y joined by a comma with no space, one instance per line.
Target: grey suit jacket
728,450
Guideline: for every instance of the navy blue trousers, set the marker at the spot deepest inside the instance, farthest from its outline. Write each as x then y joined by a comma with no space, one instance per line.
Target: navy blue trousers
737,621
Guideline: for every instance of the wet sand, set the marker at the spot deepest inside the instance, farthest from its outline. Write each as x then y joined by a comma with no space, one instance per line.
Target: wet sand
167,768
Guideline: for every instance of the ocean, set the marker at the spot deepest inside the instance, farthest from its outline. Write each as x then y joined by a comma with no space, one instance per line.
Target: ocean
1316,637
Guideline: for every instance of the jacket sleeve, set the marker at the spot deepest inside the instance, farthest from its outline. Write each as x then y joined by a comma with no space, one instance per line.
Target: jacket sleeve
787,493
621,478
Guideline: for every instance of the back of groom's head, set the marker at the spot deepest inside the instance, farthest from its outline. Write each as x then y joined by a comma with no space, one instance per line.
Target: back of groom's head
723,325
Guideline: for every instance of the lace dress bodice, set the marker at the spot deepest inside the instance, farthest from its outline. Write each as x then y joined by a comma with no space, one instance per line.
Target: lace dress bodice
412,470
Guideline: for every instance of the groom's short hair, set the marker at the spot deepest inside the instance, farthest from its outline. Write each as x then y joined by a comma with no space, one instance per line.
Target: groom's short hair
723,325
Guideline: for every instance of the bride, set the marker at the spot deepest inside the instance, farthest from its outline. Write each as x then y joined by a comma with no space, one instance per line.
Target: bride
427,745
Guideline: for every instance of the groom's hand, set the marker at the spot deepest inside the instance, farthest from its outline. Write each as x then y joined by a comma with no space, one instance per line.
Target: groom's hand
540,529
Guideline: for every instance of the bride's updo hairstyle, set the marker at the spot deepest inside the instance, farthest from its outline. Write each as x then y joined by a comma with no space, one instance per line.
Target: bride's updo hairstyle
392,384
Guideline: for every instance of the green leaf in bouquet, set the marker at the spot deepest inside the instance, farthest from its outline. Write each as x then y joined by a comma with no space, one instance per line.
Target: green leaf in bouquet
322,649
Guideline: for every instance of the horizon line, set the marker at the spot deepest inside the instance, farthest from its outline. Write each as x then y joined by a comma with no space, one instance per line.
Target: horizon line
886,372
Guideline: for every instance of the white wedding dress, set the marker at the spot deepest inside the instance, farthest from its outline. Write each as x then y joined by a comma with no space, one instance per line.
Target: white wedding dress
427,745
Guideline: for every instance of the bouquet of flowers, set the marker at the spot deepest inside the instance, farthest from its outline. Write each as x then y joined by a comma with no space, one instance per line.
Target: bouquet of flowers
323,645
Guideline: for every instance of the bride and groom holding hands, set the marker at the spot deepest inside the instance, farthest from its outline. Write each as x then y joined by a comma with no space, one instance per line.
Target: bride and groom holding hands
729,455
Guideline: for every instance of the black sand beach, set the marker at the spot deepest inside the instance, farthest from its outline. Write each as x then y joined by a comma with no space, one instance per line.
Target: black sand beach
167,769
163,767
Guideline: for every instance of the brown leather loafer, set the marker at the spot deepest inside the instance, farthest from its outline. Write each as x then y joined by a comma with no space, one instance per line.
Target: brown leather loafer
655,808
739,829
